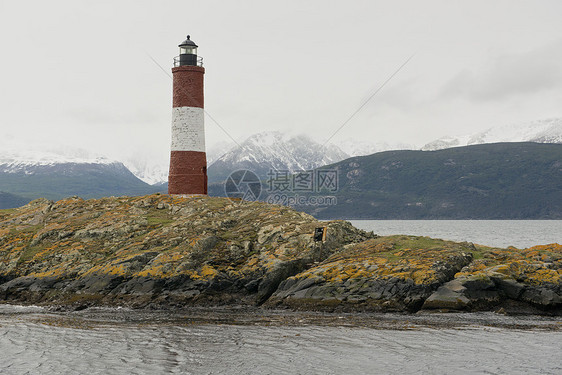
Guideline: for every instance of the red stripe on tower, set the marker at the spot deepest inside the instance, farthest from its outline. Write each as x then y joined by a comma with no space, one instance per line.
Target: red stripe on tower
188,161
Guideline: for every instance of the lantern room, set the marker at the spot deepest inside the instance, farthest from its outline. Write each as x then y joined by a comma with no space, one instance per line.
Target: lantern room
188,54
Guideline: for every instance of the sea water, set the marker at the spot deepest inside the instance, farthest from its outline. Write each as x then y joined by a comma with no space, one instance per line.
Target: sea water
119,341
497,233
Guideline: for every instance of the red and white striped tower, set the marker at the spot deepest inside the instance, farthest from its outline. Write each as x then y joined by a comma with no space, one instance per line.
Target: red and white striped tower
188,161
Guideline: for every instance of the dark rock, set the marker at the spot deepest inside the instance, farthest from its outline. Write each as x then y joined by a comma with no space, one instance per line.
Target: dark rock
220,283
31,289
252,286
95,284
273,278
446,269
476,284
139,286
449,296
542,296
511,288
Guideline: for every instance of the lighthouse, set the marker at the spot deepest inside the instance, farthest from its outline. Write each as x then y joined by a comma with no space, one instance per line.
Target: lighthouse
188,161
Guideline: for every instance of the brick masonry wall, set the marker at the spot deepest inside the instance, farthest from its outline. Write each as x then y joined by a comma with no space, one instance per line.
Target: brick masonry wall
188,86
188,173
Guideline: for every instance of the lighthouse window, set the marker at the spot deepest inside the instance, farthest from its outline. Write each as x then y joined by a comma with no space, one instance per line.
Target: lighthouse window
188,50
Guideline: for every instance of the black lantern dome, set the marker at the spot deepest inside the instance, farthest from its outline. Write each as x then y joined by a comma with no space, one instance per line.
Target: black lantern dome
188,43
188,54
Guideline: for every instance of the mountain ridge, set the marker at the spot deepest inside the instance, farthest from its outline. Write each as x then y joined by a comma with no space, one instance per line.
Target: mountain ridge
488,181
61,180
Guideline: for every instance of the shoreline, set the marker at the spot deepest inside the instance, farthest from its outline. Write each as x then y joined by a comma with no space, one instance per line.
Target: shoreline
255,316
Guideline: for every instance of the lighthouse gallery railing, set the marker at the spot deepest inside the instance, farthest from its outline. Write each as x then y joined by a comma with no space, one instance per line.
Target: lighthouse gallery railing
177,61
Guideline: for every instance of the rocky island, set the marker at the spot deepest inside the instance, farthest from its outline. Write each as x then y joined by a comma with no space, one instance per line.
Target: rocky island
161,251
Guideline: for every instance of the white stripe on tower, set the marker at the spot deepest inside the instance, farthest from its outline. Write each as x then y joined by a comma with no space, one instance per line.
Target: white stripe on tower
188,129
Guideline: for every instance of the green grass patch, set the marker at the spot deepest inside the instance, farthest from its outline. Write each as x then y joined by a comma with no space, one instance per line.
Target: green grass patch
406,242
7,211
157,221
25,231
477,254
214,203
158,218
390,255
32,228
28,253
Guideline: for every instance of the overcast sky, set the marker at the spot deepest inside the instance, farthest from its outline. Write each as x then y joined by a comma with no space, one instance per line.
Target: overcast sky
80,72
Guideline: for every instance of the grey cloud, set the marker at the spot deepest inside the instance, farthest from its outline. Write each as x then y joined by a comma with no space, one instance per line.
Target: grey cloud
510,75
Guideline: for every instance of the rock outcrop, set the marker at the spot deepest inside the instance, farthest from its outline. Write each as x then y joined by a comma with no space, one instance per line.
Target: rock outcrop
528,278
164,251
157,250
387,273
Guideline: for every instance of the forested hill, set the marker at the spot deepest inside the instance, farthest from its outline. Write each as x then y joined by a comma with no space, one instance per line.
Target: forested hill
489,181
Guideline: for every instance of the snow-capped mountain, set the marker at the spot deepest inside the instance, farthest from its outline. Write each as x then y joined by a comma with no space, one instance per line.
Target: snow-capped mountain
274,150
151,168
15,157
540,131
27,157
29,171
215,151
